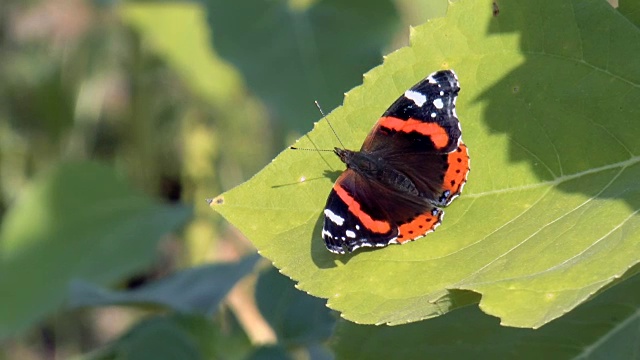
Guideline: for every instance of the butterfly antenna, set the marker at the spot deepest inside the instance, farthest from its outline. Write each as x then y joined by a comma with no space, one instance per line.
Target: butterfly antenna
306,149
328,122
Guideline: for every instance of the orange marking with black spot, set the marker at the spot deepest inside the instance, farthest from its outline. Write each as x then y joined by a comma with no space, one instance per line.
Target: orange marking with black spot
377,226
419,227
456,174
435,132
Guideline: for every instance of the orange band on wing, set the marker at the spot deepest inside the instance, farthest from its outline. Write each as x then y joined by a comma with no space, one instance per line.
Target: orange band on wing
437,133
377,226
456,175
419,226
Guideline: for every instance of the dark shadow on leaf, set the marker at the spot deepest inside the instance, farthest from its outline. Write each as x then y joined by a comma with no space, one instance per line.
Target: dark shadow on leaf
323,258
332,174
568,111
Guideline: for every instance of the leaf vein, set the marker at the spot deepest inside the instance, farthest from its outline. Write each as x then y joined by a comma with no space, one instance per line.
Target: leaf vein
559,180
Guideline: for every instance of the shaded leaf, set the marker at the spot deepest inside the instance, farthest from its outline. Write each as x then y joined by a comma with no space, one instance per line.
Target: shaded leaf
187,50
224,338
605,328
194,290
269,352
549,111
190,336
157,338
79,220
320,352
235,122
631,10
297,318
309,50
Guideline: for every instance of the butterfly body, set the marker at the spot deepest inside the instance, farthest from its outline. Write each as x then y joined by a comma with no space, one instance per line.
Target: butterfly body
412,163
376,169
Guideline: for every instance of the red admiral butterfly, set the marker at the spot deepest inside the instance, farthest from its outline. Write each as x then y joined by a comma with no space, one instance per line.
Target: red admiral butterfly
412,163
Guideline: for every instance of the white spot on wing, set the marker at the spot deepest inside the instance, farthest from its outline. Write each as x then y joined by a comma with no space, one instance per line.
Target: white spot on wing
350,234
418,98
333,217
438,103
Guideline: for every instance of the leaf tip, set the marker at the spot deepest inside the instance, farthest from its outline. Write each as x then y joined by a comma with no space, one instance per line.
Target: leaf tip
219,200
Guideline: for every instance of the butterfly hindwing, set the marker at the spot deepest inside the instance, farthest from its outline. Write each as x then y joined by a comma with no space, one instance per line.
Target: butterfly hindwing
348,223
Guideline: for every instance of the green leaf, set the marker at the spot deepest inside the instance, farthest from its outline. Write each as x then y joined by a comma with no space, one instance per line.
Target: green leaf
605,328
270,352
194,290
187,50
631,10
320,352
549,110
157,338
222,338
416,12
79,220
179,337
310,50
297,318
185,337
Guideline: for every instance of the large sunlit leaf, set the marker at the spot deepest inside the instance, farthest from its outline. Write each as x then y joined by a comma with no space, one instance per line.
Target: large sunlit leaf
549,110
79,220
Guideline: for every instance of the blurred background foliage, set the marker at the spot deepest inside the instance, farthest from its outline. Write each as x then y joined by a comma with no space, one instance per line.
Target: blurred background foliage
117,120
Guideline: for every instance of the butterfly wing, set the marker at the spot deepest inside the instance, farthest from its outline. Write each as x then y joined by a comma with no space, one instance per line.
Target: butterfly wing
363,213
420,136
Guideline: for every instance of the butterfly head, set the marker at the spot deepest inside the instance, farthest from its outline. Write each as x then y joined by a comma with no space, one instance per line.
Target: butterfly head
344,154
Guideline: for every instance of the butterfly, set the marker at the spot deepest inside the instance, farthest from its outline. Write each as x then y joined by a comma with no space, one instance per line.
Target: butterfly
412,163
